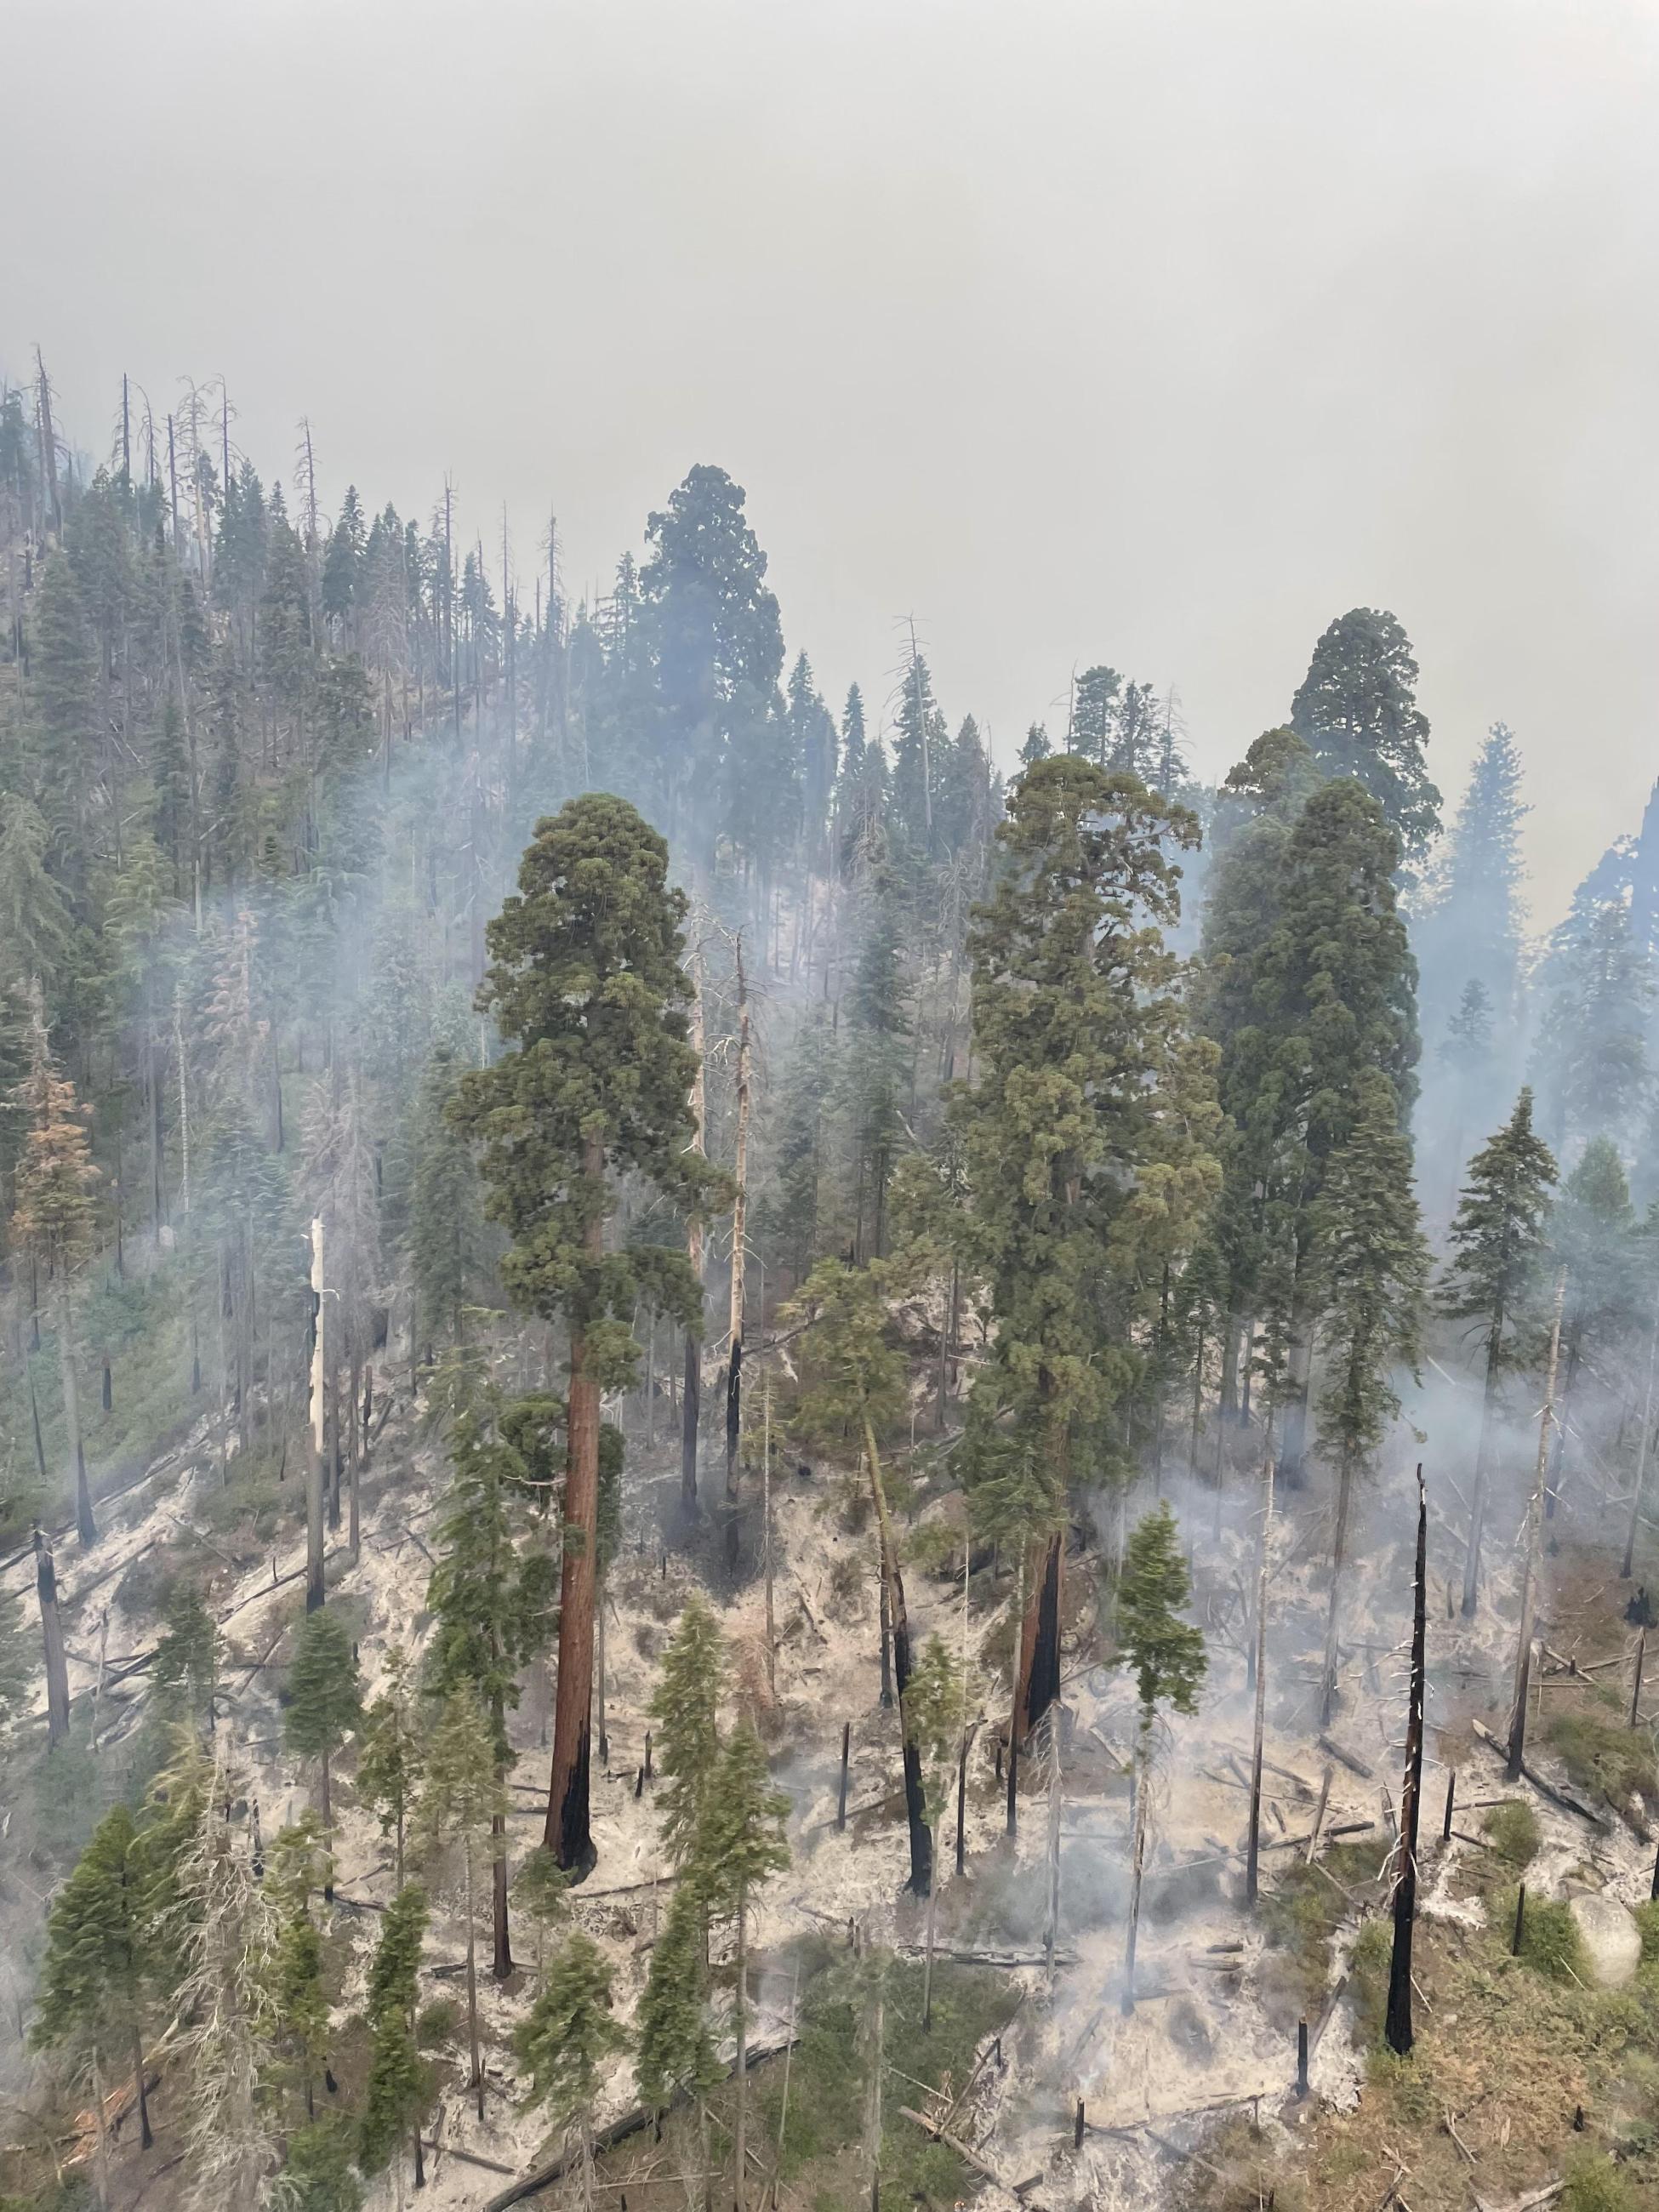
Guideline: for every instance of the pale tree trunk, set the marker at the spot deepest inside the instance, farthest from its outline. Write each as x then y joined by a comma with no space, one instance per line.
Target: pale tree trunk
1529,1555
315,1427
1478,1499
1143,1776
741,2077
739,1230
690,1407
1339,1561
86,1526
474,2045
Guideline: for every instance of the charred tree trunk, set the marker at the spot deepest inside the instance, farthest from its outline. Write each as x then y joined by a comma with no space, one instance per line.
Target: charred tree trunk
1398,2021
51,1636
1252,1856
1039,1650
739,1228
1530,1556
915,1803
568,1833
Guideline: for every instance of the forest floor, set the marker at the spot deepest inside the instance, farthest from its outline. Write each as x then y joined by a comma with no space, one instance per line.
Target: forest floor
1191,2095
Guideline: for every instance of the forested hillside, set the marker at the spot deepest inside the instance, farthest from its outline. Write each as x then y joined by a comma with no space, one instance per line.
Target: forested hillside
709,1408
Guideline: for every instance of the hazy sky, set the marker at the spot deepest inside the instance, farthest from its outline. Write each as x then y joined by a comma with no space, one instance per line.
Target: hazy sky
1156,331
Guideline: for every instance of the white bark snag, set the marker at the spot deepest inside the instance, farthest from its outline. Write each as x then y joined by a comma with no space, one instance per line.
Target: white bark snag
739,1228
1143,1778
1629,1559
51,1636
1253,1855
690,1407
316,1427
1529,1557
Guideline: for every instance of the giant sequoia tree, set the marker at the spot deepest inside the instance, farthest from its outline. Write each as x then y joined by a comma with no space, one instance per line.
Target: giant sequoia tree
585,983
1356,709
1078,1042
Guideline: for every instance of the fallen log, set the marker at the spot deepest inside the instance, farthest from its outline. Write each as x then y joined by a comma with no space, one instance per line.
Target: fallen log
1556,1795
631,2123
969,2154
1351,1759
466,2157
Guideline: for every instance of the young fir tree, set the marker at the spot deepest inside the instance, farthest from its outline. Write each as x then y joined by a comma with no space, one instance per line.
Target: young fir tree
399,2085
1077,1037
676,2048
1357,710
53,1222
743,1843
851,1385
492,1597
1474,926
459,1805
1594,1239
1492,1282
325,1704
939,1717
1467,1053
16,1666
446,1221
685,1708
295,1871
391,1756
586,983
1591,1053
1373,1267
95,1978
186,1652
1166,1656
566,2041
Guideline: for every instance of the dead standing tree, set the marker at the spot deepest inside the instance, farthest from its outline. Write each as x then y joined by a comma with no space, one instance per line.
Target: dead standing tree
1399,2019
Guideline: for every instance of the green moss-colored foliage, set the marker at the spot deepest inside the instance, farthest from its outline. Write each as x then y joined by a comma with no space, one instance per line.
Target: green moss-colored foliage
1550,1941
1603,1757
1595,2184
1513,1832
320,2175
829,2077
436,2023
1647,1920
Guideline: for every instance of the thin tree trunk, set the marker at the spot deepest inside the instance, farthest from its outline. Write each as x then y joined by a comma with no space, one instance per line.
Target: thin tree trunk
691,1399
86,1526
473,2043
51,1636
1252,1859
1530,1556
1338,1561
146,2137
915,1803
568,1834
326,1812
739,1228
314,1427
765,1539
1143,1765
741,2076
1643,1444
1478,1500
1398,2028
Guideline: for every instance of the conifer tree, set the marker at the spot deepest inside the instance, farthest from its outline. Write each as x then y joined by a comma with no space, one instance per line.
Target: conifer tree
95,1978
1472,929
53,1221
675,2049
586,983
325,1703
1591,1055
297,1870
493,1599
1166,1656
398,2080
1492,1281
1077,1036
564,2044
851,1385
1356,709
16,1671
1593,1237
445,1217
685,1709
877,1057
392,1756
1372,1266
186,1652
459,1803
743,1843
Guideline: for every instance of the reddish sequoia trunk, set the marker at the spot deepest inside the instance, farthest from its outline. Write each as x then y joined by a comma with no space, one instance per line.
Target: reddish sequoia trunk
1039,1641
568,1834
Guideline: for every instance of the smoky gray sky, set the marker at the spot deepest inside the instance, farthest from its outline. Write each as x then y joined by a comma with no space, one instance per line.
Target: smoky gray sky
1156,332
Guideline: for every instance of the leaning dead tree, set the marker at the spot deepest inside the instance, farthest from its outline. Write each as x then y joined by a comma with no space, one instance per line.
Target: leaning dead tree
1398,2025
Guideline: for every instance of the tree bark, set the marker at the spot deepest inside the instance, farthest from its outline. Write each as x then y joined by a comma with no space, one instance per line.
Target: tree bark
1143,1766
1338,1561
1253,1855
740,2077
1398,2028
1478,1499
568,1834
146,2137
86,1526
1039,1646
739,1230
915,1803
473,2044
51,1636
315,1427
691,1398
1643,1443
1530,1556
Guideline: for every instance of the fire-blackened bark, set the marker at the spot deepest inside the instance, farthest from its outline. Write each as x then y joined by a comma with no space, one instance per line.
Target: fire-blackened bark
1398,2027
52,1636
1039,1642
915,1801
568,1833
